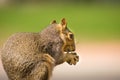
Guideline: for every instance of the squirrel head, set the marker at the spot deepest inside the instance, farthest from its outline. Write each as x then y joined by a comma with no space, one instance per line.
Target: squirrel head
66,35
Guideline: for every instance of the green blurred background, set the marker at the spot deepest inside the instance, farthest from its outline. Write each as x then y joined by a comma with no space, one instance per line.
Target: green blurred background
95,23
88,19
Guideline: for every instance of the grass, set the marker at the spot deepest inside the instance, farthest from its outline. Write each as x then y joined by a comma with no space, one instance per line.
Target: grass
86,21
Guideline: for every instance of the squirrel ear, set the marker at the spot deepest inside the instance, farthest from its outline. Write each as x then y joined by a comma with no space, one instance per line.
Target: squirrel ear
63,22
53,22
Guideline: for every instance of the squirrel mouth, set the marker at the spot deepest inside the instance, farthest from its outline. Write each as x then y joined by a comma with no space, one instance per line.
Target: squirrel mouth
69,52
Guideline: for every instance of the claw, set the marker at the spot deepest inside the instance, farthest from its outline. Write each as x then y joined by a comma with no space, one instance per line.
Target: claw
74,53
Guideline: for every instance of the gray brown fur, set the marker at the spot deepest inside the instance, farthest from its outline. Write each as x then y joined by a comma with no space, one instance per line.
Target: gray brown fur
32,56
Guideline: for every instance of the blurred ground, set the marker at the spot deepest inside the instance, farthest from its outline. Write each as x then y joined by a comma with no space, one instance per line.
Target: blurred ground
98,61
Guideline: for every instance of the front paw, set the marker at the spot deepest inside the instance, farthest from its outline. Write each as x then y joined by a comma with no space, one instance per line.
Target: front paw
48,58
72,58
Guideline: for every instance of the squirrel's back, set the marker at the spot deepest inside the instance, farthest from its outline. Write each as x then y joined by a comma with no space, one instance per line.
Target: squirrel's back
21,43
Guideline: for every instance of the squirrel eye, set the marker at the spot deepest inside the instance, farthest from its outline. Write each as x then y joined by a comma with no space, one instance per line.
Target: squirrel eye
71,36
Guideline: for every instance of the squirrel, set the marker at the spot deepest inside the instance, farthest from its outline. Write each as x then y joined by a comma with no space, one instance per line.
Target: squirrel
33,56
